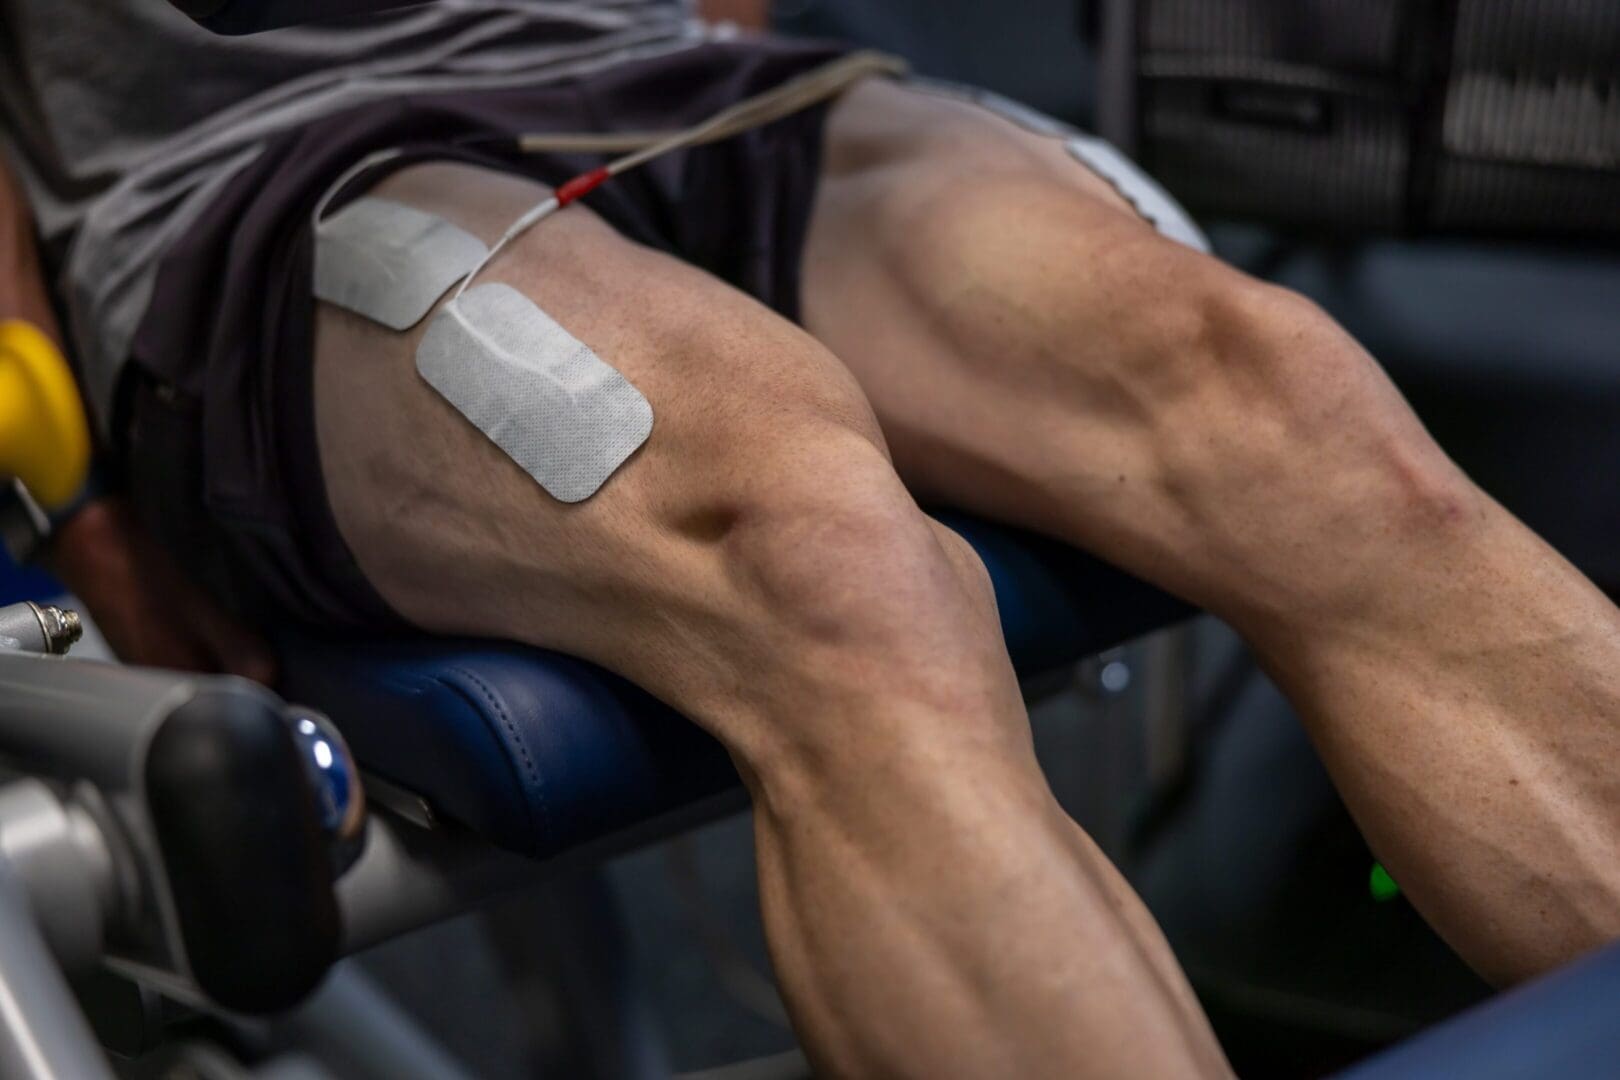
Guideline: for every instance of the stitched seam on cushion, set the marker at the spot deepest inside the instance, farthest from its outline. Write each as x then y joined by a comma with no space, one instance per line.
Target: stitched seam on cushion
439,683
538,803
421,686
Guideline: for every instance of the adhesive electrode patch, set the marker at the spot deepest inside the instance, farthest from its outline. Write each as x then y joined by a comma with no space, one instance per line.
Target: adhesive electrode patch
389,262
1155,205
536,391
539,393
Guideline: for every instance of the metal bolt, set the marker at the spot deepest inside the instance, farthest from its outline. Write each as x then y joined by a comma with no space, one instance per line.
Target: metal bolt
63,628
29,627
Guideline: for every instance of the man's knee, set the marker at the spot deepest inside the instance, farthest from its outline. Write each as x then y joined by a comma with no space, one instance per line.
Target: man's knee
820,591
1293,390
1221,370
758,562
835,552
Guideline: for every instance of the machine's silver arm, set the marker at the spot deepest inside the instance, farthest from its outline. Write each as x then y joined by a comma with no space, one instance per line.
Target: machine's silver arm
43,1035
185,829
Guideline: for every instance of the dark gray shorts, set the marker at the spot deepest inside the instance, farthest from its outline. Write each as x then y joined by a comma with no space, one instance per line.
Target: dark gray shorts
216,417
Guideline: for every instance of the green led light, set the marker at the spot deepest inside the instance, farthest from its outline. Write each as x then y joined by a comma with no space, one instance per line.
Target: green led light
1381,885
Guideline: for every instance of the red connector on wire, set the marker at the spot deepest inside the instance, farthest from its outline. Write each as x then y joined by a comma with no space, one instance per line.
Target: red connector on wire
582,185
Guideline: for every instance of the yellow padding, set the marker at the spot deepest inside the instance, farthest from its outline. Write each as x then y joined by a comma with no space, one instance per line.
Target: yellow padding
44,439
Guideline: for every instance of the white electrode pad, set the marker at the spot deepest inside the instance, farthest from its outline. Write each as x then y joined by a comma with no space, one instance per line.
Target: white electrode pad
1156,205
389,262
538,392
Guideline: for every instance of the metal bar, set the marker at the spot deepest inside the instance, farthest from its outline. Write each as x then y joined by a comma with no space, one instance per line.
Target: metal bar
409,877
1117,86
43,1035
1165,724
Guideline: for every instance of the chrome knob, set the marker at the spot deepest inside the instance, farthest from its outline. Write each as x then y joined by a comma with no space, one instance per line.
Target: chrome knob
335,780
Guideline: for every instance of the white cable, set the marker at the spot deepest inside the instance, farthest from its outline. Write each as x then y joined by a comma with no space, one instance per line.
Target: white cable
792,96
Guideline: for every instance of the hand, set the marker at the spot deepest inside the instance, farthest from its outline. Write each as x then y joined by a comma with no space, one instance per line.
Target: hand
149,612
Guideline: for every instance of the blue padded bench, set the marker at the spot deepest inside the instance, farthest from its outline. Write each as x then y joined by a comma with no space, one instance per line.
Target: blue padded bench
1565,1024
540,753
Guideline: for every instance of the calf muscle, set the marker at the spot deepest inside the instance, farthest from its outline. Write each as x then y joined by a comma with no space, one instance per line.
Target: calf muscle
1047,360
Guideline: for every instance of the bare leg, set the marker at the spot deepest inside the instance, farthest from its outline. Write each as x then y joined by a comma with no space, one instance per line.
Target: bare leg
1035,352
930,909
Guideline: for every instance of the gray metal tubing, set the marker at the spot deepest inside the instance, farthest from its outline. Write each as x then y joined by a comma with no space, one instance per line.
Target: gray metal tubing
22,628
1116,74
410,876
43,1036
83,719
60,859
47,629
354,1029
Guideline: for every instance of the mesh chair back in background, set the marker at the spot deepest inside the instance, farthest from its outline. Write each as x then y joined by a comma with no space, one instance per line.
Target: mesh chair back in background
1496,116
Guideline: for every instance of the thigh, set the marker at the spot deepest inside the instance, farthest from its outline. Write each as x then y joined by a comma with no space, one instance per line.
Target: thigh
949,252
460,540
1037,351
1018,326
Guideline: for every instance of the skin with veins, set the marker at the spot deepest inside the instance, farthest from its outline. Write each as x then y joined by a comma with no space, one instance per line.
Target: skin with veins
1042,357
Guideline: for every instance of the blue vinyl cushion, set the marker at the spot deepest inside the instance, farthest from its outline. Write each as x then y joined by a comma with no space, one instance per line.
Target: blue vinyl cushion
1564,1025
540,753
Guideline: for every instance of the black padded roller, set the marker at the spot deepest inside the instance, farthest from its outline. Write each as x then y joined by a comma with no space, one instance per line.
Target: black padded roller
243,847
